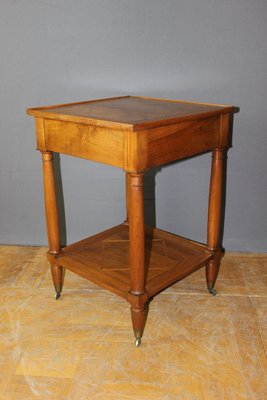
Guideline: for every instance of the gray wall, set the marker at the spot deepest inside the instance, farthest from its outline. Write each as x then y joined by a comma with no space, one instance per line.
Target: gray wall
55,51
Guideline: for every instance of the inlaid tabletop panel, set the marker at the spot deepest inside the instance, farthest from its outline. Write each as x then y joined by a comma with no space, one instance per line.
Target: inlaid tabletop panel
134,112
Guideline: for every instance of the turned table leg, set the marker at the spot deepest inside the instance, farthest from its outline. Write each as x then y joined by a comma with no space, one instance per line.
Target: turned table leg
214,217
52,219
137,296
127,193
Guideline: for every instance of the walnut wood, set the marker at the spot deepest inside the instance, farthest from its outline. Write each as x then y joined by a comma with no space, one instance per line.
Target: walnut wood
86,141
40,133
214,215
132,133
137,235
129,112
170,143
57,277
215,199
105,259
127,196
138,296
139,309
52,219
135,134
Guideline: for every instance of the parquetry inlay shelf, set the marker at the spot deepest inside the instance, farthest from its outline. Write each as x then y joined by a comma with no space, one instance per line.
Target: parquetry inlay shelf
105,259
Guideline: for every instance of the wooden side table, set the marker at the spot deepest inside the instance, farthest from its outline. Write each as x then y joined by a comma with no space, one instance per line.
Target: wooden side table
134,133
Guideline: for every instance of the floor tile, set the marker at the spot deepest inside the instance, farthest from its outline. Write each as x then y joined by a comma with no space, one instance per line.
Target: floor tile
260,309
22,266
240,274
81,347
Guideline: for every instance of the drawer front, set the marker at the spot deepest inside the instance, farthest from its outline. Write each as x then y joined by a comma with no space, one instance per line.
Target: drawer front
174,142
85,141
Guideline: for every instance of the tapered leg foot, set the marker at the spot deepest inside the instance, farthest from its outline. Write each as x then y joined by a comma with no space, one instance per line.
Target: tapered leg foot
58,292
139,317
57,276
139,320
212,270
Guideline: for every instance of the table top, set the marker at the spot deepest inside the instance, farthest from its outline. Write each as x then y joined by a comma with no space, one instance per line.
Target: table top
130,112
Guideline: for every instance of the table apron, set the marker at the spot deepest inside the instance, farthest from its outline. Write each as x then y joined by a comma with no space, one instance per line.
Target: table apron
91,142
167,144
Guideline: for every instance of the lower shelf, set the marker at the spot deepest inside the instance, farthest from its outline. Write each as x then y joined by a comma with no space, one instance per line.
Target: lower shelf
104,259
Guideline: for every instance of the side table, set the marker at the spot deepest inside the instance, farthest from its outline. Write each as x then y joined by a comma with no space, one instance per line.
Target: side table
134,133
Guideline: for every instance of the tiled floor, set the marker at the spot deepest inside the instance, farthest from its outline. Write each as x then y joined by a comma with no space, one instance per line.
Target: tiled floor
195,346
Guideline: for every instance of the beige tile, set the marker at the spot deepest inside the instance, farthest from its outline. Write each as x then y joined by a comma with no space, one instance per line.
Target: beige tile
243,275
34,387
240,274
201,349
22,266
260,308
195,346
71,281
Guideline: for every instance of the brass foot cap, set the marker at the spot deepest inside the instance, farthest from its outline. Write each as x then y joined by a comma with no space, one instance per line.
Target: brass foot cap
57,296
213,291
